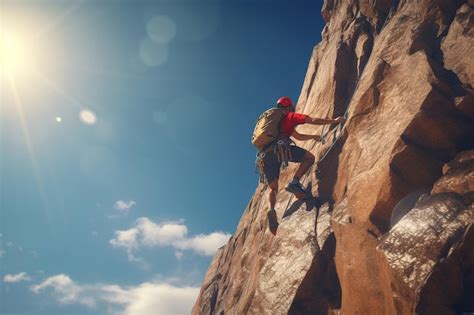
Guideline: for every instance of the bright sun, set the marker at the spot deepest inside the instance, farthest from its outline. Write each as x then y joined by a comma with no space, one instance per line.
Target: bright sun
15,54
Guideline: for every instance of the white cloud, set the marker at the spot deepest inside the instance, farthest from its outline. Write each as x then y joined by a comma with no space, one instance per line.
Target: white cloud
153,298
124,206
128,240
148,233
65,290
13,278
160,234
2,252
148,298
205,245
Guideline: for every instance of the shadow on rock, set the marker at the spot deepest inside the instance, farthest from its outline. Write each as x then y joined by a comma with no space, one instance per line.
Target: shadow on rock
293,208
309,203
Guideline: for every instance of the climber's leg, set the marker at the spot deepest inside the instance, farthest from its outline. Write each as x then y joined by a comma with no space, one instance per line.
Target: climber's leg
273,193
306,161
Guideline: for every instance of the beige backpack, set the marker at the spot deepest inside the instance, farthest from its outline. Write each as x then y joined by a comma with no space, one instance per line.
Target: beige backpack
267,128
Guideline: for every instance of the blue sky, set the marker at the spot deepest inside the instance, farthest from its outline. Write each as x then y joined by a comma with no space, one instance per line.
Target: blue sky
125,154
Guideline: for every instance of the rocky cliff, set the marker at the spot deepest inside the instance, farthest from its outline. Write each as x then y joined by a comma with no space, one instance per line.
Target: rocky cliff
393,231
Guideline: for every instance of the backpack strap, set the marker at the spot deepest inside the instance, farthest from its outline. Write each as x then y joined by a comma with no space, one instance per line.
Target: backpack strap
269,146
280,123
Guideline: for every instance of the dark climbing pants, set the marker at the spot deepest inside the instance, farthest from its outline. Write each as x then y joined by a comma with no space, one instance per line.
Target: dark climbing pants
271,165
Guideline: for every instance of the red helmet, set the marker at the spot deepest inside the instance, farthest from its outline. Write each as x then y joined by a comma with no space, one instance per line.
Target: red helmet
284,101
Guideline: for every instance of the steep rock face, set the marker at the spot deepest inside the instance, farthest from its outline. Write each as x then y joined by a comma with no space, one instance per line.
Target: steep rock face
402,71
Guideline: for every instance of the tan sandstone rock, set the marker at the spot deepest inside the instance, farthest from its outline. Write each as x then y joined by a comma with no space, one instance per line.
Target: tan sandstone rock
403,72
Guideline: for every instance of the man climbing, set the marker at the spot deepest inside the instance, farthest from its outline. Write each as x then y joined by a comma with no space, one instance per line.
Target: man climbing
280,150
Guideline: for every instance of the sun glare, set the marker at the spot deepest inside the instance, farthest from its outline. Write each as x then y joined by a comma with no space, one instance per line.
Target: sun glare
15,54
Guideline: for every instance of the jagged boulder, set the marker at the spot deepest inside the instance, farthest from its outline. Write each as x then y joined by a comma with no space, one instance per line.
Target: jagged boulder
431,247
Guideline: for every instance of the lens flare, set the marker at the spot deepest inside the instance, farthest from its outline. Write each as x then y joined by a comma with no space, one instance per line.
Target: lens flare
88,117
161,29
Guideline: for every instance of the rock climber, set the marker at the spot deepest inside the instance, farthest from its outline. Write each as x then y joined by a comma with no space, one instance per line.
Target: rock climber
272,158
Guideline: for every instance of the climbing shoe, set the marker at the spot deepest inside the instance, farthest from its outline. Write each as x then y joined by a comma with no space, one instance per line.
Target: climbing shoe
272,221
296,188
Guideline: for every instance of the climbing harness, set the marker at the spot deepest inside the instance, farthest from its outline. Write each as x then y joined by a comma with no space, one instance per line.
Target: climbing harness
282,150
259,166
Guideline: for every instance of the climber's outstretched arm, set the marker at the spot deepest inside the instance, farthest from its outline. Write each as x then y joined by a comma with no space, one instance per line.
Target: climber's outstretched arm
323,121
299,136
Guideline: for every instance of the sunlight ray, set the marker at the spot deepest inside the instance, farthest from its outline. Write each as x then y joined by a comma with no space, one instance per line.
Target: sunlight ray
29,145
106,72
59,19
54,86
